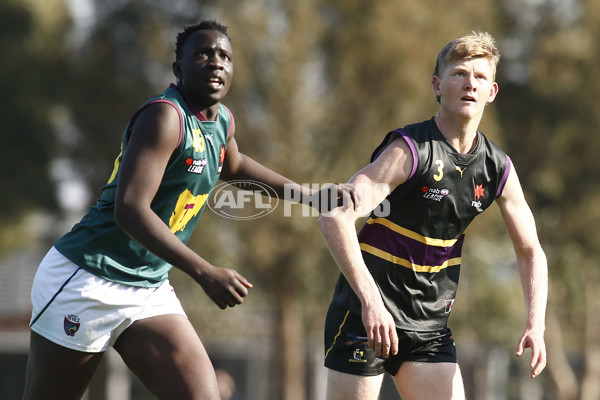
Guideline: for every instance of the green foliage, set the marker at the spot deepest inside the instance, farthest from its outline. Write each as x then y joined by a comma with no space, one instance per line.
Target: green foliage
31,80
125,60
552,117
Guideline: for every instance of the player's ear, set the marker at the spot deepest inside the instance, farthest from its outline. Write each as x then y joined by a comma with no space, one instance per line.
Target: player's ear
435,84
177,69
493,93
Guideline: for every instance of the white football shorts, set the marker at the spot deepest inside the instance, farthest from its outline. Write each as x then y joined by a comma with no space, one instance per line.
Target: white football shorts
81,311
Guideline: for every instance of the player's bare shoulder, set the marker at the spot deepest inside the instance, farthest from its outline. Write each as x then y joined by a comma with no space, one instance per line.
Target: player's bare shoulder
158,124
395,162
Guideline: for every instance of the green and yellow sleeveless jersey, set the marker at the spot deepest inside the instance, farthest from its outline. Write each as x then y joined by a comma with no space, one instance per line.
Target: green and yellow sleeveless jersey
99,246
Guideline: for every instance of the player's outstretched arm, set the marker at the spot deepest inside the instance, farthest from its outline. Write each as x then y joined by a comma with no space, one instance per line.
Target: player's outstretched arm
533,269
240,167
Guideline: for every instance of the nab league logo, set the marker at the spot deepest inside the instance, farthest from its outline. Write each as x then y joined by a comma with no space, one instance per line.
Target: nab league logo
195,166
71,324
434,193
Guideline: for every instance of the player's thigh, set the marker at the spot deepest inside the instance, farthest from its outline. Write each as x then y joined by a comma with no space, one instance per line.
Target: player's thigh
56,372
342,386
167,355
440,381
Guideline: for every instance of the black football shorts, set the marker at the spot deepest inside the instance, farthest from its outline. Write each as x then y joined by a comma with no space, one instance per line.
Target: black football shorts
346,347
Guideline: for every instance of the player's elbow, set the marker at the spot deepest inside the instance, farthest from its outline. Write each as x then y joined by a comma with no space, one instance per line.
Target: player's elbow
120,217
332,221
233,168
529,257
124,215
324,222
530,252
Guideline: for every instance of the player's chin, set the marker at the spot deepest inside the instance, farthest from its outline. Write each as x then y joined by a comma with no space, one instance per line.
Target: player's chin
218,93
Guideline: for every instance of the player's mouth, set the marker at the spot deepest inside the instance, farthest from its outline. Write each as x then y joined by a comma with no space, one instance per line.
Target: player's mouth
469,99
216,83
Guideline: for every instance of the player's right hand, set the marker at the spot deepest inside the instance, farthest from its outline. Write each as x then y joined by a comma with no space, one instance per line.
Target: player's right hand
225,286
381,330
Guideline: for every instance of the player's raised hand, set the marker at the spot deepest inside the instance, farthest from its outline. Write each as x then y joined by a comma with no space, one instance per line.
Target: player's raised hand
225,286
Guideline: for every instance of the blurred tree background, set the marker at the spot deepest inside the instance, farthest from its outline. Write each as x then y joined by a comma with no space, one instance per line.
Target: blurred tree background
317,85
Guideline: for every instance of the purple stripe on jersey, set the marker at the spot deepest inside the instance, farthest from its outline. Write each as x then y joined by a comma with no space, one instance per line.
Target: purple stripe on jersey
504,177
416,252
413,150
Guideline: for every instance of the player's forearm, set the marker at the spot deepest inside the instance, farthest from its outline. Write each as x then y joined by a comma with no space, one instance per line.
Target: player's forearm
146,228
340,235
247,169
534,279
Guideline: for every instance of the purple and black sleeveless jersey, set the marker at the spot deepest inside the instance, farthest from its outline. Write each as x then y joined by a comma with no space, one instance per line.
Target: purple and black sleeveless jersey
414,250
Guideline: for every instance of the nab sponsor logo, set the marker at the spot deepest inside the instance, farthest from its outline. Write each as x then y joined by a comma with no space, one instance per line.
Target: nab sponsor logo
448,307
243,200
479,192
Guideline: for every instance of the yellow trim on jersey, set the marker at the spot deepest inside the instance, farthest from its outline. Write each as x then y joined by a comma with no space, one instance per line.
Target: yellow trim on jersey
405,263
338,334
413,235
113,175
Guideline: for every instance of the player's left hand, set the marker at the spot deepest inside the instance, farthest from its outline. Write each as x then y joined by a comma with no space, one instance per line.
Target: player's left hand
533,339
225,286
336,195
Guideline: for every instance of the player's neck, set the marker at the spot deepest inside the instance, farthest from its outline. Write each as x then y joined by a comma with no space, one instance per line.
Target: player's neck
460,133
203,111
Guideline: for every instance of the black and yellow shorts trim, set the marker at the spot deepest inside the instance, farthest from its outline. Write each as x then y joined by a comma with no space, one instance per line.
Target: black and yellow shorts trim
346,347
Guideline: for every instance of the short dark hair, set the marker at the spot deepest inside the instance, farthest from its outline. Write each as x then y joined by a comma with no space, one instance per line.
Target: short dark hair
188,30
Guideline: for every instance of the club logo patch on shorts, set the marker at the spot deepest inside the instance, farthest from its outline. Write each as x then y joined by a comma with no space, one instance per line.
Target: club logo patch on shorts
71,324
358,356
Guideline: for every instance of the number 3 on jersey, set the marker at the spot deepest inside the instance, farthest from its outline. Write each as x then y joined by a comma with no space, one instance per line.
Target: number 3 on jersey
440,170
